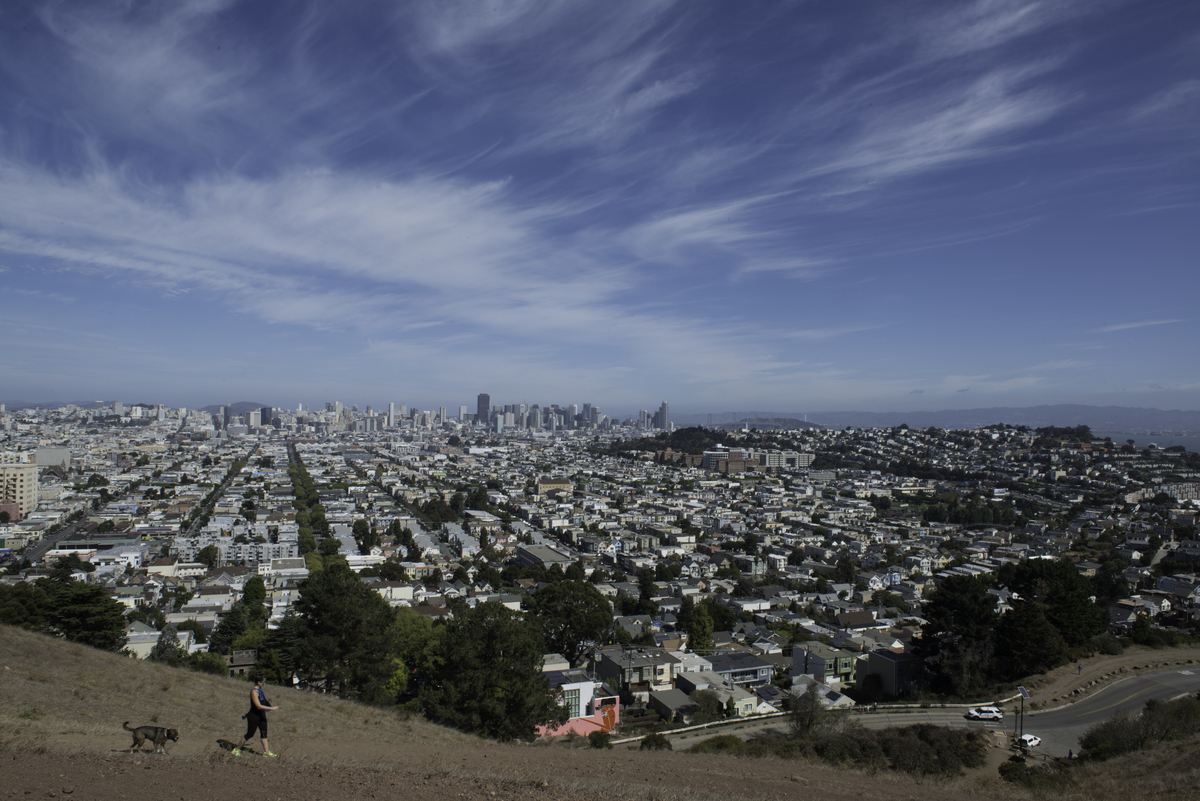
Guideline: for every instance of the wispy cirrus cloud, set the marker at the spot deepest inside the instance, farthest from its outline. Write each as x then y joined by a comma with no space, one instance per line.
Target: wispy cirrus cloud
1127,326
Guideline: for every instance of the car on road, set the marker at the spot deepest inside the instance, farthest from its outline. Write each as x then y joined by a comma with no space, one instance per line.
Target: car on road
1029,740
985,713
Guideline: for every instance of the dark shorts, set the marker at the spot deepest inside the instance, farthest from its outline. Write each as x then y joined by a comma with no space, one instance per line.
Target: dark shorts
256,722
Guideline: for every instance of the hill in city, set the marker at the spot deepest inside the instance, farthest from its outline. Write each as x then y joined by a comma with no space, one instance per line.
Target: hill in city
64,703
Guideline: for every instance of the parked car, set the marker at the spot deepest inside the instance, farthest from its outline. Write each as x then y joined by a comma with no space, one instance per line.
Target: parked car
1029,740
985,713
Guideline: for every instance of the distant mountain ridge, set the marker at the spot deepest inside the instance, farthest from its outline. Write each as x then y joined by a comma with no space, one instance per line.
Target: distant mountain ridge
1098,418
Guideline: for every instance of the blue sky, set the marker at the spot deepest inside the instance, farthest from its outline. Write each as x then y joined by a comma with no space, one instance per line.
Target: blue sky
773,205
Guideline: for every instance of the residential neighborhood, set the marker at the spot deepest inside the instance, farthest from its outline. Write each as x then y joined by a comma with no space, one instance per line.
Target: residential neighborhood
762,566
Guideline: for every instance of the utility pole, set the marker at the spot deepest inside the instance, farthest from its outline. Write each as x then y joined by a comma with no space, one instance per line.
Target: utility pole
1024,694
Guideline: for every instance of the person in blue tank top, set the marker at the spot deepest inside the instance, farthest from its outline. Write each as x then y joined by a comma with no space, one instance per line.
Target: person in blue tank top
256,718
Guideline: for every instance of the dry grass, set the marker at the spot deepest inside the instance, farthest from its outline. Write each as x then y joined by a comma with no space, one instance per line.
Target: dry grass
65,698
63,692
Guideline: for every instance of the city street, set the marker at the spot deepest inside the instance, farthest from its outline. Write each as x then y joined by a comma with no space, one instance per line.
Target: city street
1060,728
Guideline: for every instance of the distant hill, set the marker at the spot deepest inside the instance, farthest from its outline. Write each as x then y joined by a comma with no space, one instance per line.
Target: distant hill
1098,418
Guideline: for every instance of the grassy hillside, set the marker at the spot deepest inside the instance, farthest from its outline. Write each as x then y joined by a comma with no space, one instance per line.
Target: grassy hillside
63,699
67,693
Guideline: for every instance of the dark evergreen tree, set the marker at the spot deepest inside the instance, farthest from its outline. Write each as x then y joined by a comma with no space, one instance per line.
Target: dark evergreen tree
490,680
349,645
960,616
1026,643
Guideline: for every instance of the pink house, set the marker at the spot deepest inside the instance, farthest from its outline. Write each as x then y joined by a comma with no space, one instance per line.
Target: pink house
591,704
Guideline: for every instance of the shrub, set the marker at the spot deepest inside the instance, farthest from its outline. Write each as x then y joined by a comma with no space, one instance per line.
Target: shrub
600,739
858,747
655,742
1123,733
724,743
1049,777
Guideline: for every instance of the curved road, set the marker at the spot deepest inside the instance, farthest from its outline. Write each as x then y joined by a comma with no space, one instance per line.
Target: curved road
1059,728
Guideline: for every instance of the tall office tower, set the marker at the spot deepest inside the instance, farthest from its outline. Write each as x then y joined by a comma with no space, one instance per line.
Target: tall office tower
267,415
484,407
299,408
441,415
370,413
535,418
254,418
462,413
391,417
594,417
662,418
572,413
403,412
337,409
643,418
586,411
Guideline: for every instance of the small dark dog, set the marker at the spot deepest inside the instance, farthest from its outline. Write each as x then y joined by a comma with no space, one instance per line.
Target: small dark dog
156,735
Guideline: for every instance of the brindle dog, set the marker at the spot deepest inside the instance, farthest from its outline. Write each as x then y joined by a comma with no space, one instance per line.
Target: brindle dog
156,735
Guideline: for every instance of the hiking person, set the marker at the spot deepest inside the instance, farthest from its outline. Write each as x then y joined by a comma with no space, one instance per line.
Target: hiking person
256,718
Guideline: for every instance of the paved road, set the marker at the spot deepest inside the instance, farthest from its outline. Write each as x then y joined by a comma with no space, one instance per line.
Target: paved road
1060,729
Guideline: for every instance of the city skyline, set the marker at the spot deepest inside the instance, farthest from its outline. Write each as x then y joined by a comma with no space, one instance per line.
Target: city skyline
783,207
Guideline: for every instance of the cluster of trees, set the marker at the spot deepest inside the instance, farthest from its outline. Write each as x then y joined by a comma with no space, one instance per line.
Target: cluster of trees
60,606
1052,614
694,439
480,671
310,514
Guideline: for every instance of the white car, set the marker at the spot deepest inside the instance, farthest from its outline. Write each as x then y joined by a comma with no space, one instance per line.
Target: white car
1029,740
985,713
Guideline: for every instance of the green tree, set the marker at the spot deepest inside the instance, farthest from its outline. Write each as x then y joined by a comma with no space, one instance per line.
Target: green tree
329,546
1064,593
231,626
205,662
24,605
489,678
197,630
960,616
1026,643
306,542
167,649
208,556
349,642
844,571
573,615
810,718
254,591
700,634
85,613
708,706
